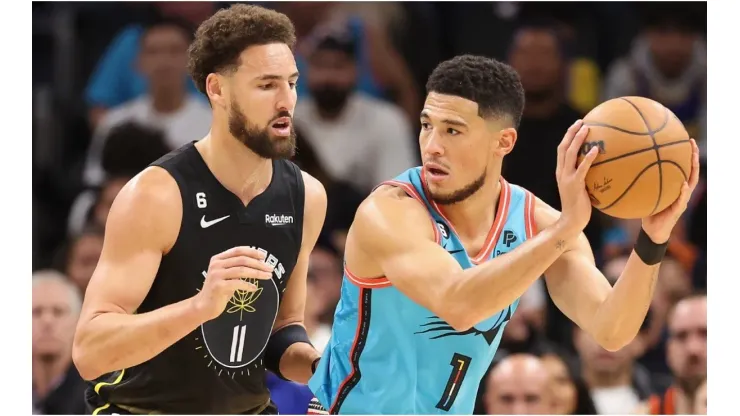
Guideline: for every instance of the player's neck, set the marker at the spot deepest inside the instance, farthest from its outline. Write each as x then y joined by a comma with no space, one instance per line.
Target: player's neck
167,100
475,215
239,170
46,372
596,380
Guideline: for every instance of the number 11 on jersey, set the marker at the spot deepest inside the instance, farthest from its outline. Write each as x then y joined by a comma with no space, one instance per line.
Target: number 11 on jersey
460,364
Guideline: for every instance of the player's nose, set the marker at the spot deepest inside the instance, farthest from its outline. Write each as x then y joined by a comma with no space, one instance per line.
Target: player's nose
433,146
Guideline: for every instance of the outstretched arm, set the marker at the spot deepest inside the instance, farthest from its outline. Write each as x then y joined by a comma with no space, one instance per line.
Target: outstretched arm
613,315
393,236
292,356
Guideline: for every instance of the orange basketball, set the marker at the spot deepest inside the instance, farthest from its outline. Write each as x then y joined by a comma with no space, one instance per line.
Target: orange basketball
644,157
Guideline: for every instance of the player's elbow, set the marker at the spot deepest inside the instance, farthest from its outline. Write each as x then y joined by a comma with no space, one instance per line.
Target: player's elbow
83,358
612,341
84,364
457,315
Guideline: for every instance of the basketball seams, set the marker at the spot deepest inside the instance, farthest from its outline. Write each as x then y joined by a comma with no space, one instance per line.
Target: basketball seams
657,153
637,152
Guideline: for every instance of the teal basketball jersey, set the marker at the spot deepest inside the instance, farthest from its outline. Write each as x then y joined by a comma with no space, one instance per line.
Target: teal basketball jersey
389,355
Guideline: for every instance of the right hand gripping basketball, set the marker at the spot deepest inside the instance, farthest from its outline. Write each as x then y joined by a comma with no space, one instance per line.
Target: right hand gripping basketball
575,202
227,273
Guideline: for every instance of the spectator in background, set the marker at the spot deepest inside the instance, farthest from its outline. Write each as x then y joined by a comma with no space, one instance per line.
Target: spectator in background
569,392
57,386
382,72
342,198
356,138
617,384
79,257
116,79
538,56
687,357
129,148
518,385
521,335
668,64
167,104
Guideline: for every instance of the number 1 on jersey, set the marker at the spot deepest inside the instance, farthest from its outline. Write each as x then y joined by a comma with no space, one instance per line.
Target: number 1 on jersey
460,364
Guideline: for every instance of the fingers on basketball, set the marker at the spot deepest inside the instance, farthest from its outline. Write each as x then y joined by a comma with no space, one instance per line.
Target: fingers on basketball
695,166
565,143
586,163
575,146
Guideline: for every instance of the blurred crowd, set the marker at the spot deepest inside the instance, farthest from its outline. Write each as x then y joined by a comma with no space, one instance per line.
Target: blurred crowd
111,94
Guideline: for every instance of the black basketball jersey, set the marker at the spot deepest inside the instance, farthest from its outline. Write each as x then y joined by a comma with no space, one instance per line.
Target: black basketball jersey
218,368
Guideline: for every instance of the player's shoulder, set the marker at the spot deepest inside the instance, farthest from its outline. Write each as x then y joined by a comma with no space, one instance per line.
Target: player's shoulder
148,208
390,210
315,195
153,191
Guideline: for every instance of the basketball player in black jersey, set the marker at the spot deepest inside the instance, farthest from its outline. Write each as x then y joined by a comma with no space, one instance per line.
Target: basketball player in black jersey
201,285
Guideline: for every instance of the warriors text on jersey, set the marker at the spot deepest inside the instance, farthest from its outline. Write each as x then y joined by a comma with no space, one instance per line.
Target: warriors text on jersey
390,355
218,368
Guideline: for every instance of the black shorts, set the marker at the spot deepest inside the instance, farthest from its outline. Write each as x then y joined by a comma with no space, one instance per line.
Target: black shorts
111,409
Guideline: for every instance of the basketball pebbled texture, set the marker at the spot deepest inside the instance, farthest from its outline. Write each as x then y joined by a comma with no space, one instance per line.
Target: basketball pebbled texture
644,157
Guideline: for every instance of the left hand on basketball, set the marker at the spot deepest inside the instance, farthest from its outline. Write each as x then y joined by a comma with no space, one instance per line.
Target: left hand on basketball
659,226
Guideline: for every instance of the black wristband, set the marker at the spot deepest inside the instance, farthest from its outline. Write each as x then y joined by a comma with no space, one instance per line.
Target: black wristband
649,252
315,364
279,342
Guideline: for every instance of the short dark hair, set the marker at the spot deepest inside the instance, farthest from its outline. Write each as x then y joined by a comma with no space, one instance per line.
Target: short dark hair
224,36
494,85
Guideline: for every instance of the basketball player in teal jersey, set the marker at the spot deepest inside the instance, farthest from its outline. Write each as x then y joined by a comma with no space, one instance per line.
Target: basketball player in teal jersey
437,258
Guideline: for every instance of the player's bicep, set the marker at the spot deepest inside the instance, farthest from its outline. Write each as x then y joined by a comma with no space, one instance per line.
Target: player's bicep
422,271
398,236
143,222
292,308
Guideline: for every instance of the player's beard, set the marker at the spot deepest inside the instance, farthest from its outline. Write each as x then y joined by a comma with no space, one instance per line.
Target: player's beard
260,140
461,194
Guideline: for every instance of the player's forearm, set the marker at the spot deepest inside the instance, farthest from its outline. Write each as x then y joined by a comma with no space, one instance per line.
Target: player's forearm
490,287
296,362
620,316
113,341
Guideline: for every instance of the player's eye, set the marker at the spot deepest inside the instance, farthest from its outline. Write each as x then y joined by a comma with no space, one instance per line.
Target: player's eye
292,84
267,86
425,126
452,132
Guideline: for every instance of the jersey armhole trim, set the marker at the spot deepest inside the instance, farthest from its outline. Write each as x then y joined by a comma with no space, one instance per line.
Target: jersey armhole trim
530,224
182,188
380,282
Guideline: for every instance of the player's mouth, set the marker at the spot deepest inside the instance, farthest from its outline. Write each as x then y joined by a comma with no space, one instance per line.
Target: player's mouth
281,126
435,172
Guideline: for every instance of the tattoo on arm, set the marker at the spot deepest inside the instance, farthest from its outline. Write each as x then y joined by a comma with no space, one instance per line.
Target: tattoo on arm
560,244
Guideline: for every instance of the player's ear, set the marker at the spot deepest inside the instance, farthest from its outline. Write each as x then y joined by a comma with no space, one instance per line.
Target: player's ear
215,89
506,141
